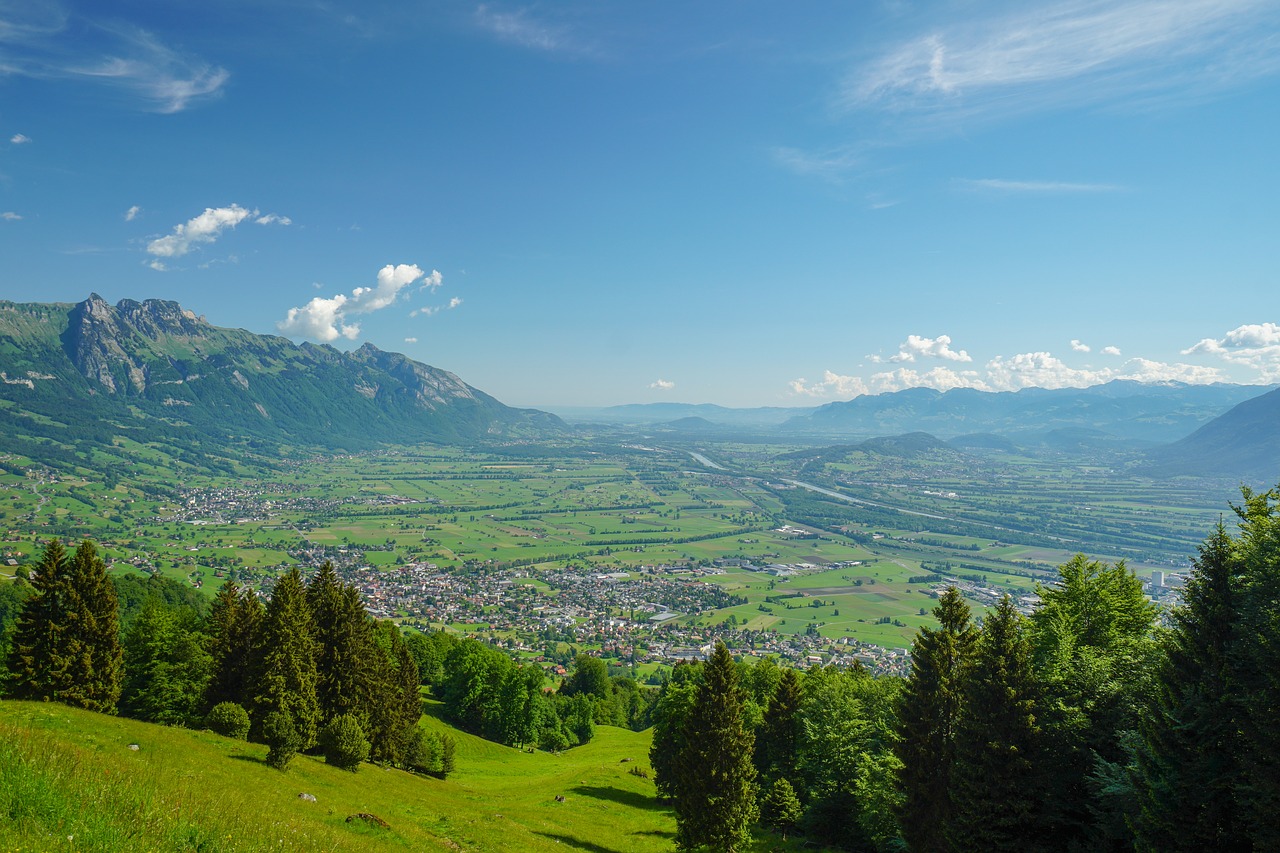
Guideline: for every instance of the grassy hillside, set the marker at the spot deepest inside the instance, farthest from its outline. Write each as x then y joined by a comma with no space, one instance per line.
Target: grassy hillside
68,781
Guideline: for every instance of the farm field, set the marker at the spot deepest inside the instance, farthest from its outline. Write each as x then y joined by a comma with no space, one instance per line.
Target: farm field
853,553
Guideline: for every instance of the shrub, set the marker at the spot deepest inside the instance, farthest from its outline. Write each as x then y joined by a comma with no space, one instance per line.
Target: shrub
343,742
281,737
229,720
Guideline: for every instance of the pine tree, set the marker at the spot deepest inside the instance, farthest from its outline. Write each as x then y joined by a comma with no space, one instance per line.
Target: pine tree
286,680
715,801
928,712
233,627
343,633
777,740
67,644
997,793
1257,664
1189,767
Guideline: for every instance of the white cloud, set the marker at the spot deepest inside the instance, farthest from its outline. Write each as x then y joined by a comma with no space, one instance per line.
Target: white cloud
205,228
1054,55
326,319
1002,185
20,139
831,164
43,42
1111,350
1254,345
1006,373
916,346
158,265
455,302
432,281
519,27
662,385
132,213
10,216
1077,346
410,340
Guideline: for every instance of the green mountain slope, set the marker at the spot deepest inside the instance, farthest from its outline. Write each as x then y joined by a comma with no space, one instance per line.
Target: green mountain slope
91,372
69,781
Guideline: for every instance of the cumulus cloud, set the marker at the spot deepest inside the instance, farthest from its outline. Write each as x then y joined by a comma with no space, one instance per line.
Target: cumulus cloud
1006,373
432,281
1077,346
455,302
205,228
662,385
1111,350
1254,345
327,318
132,213
20,139
916,346
10,216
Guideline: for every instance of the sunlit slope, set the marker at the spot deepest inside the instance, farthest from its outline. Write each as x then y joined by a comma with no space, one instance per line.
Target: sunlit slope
69,781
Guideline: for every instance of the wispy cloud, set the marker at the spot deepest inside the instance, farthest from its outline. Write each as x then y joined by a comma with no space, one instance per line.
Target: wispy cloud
19,139
520,27
42,42
1007,186
1048,56
132,213
10,216
203,229
831,165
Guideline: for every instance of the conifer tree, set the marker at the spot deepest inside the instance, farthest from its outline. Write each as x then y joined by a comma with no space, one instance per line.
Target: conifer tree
928,712
715,800
1257,658
233,627
286,680
997,792
777,743
343,633
67,645
1189,767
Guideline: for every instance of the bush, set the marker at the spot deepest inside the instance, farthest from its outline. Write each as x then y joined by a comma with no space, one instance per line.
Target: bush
229,720
343,742
281,737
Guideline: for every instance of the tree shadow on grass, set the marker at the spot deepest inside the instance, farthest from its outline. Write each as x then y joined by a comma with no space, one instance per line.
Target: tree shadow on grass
578,843
656,833
252,759
627,798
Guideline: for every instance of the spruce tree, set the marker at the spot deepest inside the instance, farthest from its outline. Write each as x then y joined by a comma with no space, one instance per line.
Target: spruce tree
286,680
777,741
715,801
343,633
1188,769
233,627
928,712
67,644
997,792
1257,659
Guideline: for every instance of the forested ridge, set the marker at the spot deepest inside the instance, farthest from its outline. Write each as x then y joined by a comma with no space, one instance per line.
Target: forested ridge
1095,722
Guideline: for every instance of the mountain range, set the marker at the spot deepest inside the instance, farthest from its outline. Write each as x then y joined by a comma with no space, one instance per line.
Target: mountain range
144,370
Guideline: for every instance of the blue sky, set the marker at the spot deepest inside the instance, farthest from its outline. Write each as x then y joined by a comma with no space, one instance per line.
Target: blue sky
747,203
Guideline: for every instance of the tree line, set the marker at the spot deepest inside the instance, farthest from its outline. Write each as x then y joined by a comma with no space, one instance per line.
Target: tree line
308,670
1090,724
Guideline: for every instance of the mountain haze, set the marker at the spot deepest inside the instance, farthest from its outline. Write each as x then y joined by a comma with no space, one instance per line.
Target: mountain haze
140,369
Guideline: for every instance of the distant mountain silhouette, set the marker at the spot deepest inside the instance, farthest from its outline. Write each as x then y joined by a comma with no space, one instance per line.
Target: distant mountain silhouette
1243,443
